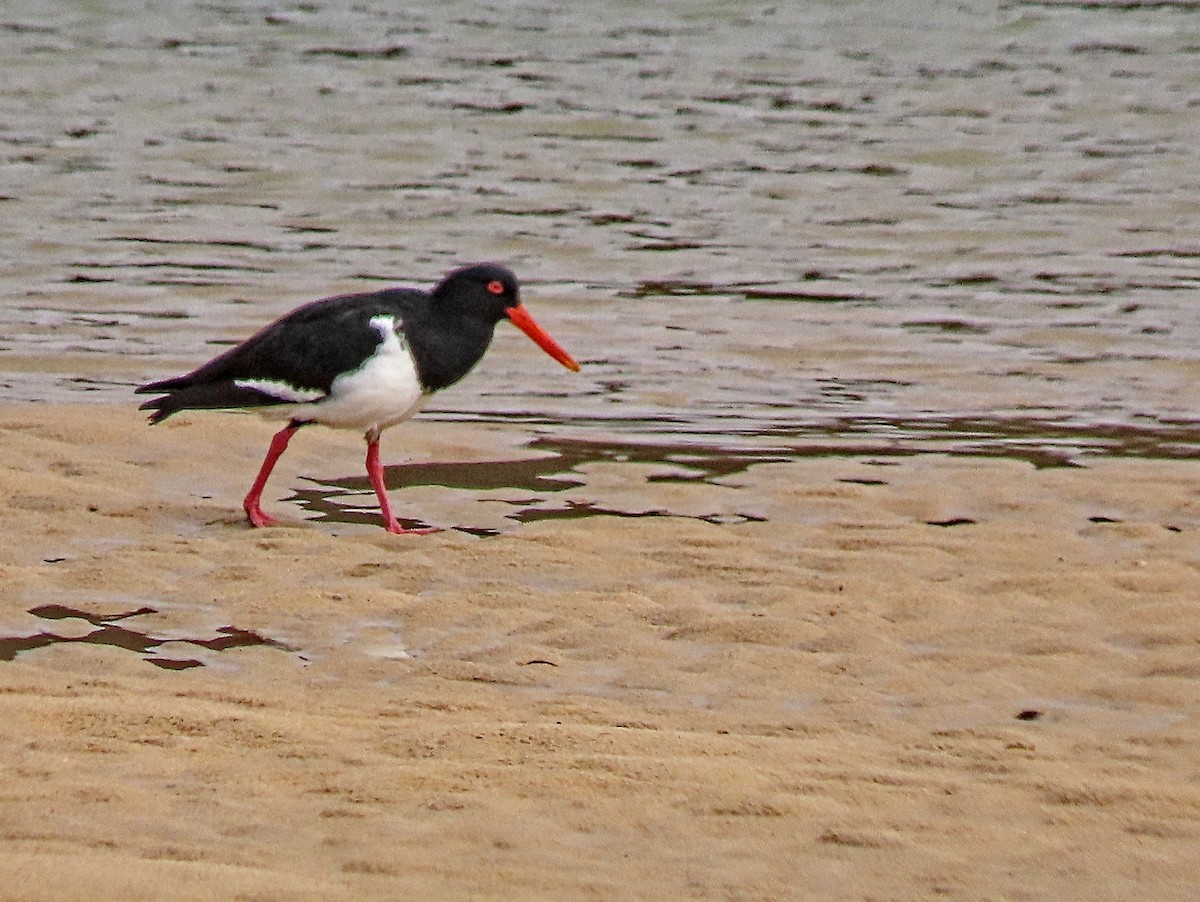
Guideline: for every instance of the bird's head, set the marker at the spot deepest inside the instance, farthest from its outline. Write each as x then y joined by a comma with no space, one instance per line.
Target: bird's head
491,292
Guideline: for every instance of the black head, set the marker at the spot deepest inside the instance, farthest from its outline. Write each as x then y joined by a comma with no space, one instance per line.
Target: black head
485,291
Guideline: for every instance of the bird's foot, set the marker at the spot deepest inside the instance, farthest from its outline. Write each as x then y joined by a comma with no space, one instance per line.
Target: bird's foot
395,528
257,517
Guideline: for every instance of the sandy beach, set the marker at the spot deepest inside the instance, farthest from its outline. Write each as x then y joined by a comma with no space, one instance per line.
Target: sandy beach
859,561
917,678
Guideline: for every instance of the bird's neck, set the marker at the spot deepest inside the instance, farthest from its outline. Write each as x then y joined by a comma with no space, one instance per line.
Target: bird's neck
448,347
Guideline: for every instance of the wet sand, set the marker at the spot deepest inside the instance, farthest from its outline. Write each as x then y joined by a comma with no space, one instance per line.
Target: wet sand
859,562
919,676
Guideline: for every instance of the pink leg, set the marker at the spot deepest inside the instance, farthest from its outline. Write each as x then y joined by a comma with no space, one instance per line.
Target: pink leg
253,498
375,471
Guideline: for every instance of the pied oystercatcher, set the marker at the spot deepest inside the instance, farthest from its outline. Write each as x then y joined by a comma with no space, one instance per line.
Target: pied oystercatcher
356,361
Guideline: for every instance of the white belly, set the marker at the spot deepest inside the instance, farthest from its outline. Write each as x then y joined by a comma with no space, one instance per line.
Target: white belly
382,392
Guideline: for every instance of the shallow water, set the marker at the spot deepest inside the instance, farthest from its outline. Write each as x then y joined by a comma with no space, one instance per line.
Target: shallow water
763,228
110,630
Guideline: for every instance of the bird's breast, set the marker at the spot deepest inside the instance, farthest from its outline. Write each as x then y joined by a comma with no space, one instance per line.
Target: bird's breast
385,389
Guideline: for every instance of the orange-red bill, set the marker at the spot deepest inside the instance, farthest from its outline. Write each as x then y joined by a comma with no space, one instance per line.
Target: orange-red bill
523,321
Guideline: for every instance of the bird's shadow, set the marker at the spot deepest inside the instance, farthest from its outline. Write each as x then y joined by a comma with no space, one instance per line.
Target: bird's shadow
556,469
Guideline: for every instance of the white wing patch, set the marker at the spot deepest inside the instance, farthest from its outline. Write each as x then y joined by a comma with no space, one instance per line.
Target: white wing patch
281,390
382,392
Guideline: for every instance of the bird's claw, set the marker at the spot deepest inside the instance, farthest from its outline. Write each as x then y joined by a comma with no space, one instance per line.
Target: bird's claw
258,518
396,529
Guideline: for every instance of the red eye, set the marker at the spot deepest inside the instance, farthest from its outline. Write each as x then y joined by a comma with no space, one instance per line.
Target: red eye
495,287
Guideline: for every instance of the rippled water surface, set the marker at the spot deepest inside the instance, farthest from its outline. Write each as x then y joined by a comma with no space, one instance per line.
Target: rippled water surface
915,225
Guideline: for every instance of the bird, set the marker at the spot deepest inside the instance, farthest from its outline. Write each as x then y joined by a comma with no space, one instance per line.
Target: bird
365,361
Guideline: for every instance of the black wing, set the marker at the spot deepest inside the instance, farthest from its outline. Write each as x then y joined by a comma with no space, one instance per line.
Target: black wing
306,350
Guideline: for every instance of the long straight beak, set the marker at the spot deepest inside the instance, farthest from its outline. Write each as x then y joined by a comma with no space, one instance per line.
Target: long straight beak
523,321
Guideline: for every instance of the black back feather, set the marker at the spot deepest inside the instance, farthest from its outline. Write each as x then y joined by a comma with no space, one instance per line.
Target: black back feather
295,349
447,331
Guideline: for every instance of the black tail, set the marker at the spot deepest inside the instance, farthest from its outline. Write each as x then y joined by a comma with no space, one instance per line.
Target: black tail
161,407
166,405
182,394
